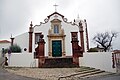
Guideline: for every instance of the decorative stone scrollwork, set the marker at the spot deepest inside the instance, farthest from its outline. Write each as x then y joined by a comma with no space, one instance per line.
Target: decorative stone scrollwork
46,20
52,36
65,19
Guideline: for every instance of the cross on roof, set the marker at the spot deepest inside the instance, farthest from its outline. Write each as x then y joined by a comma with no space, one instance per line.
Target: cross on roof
55,7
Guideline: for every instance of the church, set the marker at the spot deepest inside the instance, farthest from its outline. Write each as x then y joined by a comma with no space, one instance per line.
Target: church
55,39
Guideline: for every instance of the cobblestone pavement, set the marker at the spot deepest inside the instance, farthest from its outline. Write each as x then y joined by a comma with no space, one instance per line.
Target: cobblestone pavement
107,77
48,73
60,73
5,75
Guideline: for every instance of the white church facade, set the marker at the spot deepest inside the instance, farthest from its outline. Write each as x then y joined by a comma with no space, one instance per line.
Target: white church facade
54,28
59,37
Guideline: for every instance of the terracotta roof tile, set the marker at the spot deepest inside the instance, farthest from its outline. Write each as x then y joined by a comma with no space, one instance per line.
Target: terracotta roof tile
4,41
116,51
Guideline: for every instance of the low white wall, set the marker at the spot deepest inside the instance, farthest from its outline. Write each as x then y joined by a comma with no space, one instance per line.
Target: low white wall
99,60
22,60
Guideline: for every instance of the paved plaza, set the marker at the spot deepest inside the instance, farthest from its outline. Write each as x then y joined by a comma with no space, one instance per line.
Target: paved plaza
5,75
82,73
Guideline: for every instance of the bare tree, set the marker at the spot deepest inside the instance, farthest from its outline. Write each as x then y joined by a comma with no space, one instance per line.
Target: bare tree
105,39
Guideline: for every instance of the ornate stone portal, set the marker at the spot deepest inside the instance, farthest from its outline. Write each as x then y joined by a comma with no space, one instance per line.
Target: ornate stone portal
56,34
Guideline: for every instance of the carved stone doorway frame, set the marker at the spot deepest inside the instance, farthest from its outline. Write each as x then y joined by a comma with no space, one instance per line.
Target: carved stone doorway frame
53,38
56,36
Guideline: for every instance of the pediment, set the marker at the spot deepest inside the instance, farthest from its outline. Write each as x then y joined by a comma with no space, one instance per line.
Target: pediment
55,13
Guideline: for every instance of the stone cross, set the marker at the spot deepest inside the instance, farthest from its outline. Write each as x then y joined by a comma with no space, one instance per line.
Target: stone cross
55,7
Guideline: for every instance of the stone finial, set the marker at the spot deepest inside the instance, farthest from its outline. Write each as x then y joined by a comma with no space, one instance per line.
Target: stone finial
80,23
31,24
41,36
84,20
12,40
78,17
31,28
74,20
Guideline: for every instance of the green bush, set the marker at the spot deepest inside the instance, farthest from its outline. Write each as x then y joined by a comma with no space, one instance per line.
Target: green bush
6,50
93,50
15,48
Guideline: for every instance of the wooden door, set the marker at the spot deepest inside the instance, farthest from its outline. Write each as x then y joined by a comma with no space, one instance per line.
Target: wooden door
56,48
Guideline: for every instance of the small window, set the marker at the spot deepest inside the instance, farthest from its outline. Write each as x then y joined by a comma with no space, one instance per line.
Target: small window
56,29
37,37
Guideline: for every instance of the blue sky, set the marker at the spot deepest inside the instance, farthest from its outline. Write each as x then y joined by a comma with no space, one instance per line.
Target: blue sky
101,15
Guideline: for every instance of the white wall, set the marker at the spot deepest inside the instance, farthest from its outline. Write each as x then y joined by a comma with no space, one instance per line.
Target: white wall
22,60
22,41
99,60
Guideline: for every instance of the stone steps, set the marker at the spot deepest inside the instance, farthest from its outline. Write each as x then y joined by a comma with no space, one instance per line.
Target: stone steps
59,63
100,74
90,73
84,72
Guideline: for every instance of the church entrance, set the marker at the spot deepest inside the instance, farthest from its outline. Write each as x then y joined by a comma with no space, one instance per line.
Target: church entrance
56,48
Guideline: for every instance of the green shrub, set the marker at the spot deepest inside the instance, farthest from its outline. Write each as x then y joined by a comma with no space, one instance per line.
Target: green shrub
6,50
15,48
93,50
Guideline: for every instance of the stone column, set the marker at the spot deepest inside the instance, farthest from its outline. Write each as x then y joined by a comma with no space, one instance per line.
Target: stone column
12,41
49,47
30,37
41,53
63,47
81,36
86,30
76,49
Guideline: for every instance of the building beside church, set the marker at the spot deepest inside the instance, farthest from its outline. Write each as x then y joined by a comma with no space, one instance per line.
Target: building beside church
55,38
4,44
